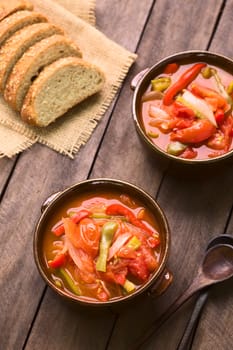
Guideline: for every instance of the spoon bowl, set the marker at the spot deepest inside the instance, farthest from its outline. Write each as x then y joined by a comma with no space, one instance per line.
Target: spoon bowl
218,263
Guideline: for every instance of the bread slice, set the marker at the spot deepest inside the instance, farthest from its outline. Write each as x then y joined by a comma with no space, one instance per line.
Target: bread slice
7,7
32,62
18,20
19,42
60,86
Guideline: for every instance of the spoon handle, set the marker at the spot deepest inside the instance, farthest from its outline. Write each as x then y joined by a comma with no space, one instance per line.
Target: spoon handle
189,333
194,287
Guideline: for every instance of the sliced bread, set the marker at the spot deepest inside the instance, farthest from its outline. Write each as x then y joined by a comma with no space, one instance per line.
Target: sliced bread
32,62
60,86
10,6
19,42
18,20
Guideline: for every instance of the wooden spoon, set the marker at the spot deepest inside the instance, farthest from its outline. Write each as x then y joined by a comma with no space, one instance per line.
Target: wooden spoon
217,266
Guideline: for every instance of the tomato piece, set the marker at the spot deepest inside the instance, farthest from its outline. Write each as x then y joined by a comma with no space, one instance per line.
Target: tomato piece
217,141
153,241
102,295
189,153
58,261
149,258
116,274
181,111
183,123
201,130
171,68
138,267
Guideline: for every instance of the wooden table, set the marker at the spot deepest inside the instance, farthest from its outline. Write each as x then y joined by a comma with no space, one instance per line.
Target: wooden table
197,201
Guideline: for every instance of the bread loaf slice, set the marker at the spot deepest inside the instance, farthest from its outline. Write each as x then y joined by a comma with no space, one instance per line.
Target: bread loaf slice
8,7
19,42
18,20
60,86
32,62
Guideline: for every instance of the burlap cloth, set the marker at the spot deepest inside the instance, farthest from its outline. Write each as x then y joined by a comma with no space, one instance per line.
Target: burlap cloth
68,133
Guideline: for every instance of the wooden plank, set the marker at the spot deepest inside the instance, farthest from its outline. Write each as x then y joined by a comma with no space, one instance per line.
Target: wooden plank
30,185
6,166
217,316
120,157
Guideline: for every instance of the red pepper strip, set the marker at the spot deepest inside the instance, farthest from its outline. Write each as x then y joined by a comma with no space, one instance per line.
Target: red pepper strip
185,79
80,215
227,127
59,228
219,116
118,209
58,261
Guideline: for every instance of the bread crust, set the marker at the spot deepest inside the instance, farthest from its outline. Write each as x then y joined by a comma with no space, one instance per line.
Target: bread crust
32,62
9,7
29,113
18,20
19,42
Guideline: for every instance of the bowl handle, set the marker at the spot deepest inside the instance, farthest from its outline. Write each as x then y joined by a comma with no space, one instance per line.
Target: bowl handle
162,284
137,78
49,200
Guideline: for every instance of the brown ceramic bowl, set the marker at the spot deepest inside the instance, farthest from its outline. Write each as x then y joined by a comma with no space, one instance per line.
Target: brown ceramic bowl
159,279
142,80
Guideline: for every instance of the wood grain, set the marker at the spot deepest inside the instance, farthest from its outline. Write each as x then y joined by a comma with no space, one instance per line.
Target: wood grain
197,201
31,185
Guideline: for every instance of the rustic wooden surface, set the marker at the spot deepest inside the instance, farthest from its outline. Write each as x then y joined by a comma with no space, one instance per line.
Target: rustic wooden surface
197,202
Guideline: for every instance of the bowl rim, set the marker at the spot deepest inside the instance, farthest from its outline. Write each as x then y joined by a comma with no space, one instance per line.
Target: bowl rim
136,118
68,190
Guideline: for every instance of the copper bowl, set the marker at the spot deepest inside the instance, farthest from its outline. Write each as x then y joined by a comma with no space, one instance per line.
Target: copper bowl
142,80
159,280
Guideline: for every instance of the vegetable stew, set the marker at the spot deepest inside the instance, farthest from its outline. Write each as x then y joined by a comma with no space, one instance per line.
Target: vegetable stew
101,247
187,110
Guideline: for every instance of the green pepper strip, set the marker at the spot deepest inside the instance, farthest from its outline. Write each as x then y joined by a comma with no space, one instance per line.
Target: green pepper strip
107,234
220,86
134,243
161,83
129,286
100,216
69,281
230,88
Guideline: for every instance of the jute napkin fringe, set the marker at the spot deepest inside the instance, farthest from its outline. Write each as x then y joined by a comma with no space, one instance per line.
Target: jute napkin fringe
84,9
73,130
7,149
